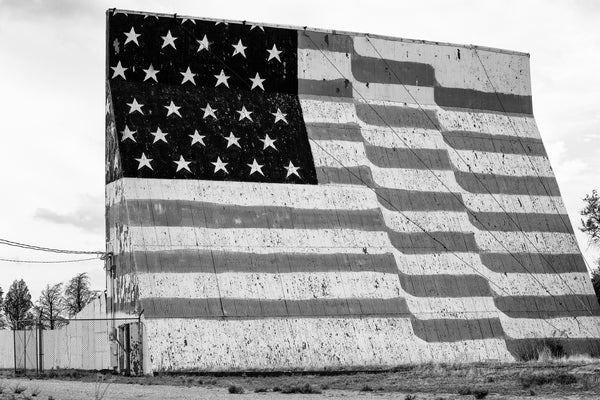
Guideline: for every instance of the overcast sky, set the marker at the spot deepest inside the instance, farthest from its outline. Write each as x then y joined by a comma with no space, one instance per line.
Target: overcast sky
52,99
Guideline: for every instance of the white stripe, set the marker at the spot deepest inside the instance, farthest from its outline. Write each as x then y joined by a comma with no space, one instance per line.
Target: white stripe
566,327
319,111
402,137
431,221
322,197
526,242
306,343
338,153
415,179
262,241
500,164
514,203
490,123
509,72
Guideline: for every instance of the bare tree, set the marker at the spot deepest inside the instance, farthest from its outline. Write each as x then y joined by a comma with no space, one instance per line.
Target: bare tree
50,307
591,226
2,322
17,305
78,293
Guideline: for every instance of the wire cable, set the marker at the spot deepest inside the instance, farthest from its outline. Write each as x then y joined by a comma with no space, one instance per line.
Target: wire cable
48,262
49,249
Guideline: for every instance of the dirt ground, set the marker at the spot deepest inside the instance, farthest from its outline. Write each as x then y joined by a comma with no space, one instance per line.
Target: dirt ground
552,380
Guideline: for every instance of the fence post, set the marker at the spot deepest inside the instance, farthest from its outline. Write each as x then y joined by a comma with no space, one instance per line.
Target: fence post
41,346
24,352
15,348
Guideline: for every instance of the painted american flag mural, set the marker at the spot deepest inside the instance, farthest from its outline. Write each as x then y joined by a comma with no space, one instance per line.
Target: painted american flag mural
294,199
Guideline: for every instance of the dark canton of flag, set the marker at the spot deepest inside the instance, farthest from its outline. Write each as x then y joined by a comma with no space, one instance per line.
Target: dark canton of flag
203,100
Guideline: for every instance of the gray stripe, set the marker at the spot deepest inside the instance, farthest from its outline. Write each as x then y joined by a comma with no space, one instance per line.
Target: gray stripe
386,157
477,141
202,261
529,349
433,242
548,306
410,200
185,213
531,185
397,116
533,263
343,132
325,41
513,222
454,330
441,285
378,70
329,88
348,175
258,308
474,99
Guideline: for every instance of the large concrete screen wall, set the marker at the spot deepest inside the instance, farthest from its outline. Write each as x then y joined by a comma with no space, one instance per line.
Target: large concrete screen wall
435,233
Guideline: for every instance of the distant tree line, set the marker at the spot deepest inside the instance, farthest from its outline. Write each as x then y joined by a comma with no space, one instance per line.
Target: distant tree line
55,304
590,225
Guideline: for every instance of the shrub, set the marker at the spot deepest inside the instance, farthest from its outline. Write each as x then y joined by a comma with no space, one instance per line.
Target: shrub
549,378
480,393
234,389
18,389
410,397
366,388
305,389
260,390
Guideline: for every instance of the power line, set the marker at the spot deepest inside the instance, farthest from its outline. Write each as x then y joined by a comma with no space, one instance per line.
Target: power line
7,242
48,262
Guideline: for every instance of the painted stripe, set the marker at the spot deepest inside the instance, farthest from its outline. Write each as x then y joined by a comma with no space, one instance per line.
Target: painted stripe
513,222
501,164
514,185
529,349
548,307
330,285
332,87
303,344
423,285
347,132
477,100
505,144
316,65
191,213
455,66
395,116
415,179
533,263
334,153
391,72
360,176
525,284
515,204
193,260
323,111
433,242
322,241
385,157
567,327
425,308
223,307
454,330
421,200
402,137
528,242
325,41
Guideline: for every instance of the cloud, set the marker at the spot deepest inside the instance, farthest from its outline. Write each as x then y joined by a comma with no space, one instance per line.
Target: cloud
88,216
31,9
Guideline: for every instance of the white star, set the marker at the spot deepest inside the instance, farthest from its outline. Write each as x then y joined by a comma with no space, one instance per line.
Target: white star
222,78
257,82
159,135
274,53
202,44
197,138
168,40
279,116
239,48
188,76
172,109
256,167
232,140
182,164
151,73
193,21
219,165
291,170
119,70
268,142
257,26
132,36
144,162
127,134
244,113
135,106
209,111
